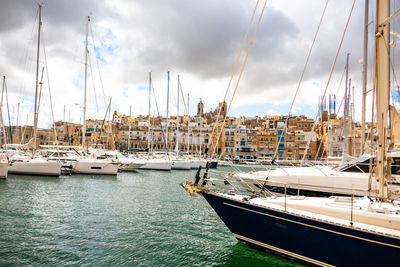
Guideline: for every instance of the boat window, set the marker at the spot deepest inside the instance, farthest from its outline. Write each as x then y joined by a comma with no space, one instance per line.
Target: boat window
396,166
360,164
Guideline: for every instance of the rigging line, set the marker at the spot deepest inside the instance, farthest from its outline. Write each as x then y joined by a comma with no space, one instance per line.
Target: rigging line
8,112
391,63
40,95
102,125
97,63
341,80
301,77
48,86
158,113
26,57
1,112
183,97
94,87
330,76
372,144
184,103
240,75
234,68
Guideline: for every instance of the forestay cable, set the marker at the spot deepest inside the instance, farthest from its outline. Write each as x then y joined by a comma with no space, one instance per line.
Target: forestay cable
234,68
330,76
240,75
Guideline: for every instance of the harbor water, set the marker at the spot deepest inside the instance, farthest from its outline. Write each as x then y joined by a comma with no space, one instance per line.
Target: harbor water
134,219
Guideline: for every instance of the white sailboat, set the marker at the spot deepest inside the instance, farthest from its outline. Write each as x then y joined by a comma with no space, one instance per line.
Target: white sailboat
150,161
87,165
124,162
75,163
351,178
34,165
179,163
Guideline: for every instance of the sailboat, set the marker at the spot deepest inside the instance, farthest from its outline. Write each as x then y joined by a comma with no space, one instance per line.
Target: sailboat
351,178
87,165
34,165
335,231
179,163
150,161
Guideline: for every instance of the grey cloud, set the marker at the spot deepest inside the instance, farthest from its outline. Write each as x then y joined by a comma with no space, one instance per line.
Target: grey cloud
201,38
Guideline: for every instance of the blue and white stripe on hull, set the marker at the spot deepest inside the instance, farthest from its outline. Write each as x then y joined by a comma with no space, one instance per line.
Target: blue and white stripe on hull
304,238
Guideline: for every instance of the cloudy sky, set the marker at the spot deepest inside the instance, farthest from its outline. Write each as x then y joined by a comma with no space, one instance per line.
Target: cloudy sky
199,40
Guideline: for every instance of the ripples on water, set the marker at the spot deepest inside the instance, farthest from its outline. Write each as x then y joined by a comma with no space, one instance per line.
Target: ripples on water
136,219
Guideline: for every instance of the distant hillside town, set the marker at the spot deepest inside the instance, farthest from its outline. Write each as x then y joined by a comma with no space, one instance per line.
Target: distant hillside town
248,138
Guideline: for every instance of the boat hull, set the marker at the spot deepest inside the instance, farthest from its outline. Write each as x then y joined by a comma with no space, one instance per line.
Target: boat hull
302,238
46,168
157,165
181,165
95,167
3,169
130,167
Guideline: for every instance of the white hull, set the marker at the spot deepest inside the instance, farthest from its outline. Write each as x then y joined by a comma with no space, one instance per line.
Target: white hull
35,167
131,166
317,178
157,165
224,163
181,165
89,166
3,169
196,163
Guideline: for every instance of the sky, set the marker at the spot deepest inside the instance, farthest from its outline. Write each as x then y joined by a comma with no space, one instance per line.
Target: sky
197,40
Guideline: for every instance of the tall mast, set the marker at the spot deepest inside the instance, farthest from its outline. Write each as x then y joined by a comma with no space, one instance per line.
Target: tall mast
188,134
346,112
382,93
148,128
352,123
37,81
201,124
177,122
349,119
152,132
364,89
1,112
18,115
166,130
85,84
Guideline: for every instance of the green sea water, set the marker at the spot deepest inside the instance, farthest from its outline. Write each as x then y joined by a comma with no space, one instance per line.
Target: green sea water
143,218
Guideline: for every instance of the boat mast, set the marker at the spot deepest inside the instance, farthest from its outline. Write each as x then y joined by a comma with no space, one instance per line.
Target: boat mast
152,133
177,123
382,93
37,82
188,134
346,112
364,89
85,84
148,128
129,131
166,130
201,124
1,112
